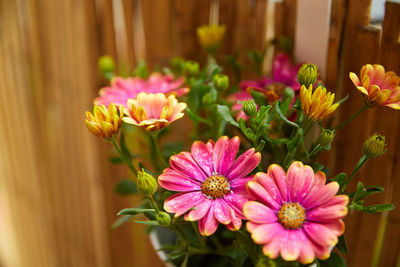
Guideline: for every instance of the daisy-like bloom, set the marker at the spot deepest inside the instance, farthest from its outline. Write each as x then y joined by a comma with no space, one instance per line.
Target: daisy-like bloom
153,112
296,214
317,105
284,74
211,182
380,88
122,89
103,122
210,36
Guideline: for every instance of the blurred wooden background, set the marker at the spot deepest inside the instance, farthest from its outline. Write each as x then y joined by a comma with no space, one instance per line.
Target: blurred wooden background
56,188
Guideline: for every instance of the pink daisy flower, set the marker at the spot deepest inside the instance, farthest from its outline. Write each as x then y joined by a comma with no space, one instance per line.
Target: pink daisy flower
122,89
212,182
296,214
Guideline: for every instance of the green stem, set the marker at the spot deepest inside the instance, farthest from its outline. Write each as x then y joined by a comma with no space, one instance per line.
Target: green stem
360,163
199,236
363,108
158,151
153,203
127,161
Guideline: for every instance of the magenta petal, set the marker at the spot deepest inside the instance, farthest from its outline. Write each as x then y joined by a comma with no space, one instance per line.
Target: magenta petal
203,156
185,164
323,195
208,224
236,221
272,248
259,213
291,245
244,164
176,181
269,185
299,180
265,233
199,211
239,185
222,211
260,194
182,202
236,202
336,208
279,176
321,234
225,151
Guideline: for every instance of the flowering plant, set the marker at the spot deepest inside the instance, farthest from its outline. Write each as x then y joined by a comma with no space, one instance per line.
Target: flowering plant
250,190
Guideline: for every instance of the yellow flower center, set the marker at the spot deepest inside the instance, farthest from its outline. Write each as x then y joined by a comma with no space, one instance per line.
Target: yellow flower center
215,186
291,215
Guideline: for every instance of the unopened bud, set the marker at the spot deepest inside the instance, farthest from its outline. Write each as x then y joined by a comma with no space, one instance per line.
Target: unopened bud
249,107
163,218
326,137
146,184
375,146
191,68
307,75
106,64
221,82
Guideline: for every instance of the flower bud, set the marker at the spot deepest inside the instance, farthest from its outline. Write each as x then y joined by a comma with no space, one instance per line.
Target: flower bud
146,184
210,36
103,122
178,63
375,146
249,107
307,74
191,68
106,64
221,82
326,137
163,218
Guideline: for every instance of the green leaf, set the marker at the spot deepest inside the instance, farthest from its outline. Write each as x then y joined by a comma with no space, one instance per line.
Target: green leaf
334,261
115,160
259,98
225,113
197,118
141,70
283,118
358,192
342,100
293,144
378,208
126,187
120,221
342,245
147,222
370,190
134,211
340,178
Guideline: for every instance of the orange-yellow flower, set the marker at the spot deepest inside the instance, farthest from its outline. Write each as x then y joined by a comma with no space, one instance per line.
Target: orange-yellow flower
103,122
210,36
153,112
317,105
380,88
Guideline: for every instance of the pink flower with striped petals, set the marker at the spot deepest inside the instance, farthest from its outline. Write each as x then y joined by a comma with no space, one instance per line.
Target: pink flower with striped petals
211,182
296,214
122,89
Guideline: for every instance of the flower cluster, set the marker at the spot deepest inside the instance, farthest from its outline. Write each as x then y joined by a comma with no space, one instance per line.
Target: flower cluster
259,196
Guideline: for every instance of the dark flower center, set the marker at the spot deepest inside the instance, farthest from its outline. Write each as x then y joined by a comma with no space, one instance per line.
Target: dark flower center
291,215
215,186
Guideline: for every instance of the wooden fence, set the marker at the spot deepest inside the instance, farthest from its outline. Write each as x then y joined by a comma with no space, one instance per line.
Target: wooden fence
56,197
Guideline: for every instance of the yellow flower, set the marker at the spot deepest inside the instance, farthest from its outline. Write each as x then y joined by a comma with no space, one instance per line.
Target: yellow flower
103,122
380,88
318,105
210,36
153,112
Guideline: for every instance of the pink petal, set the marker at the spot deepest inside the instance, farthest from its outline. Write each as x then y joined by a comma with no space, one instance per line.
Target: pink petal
291,245
199,211
236,202
272,249
299,180
203,156
182,202
324,194
176,181
279,176
251,226
269,185
259,213
260,194
336,208
208,224
225,151
307,254
222,211
320,234
244,164
185,164
265,233
239,184
236,222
